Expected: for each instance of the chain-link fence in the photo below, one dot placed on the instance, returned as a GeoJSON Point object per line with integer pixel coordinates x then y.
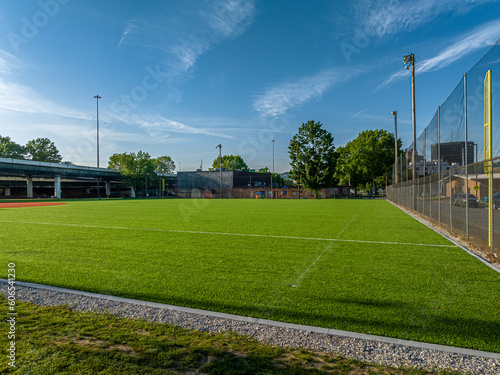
{"type": "Point", "coordinates": [458, 185]}
{"type": "Point", "coordinates": [458, 200]}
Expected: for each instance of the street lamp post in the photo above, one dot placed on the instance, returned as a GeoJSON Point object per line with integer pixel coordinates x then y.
{"type": "Point", "coordinates": [395, 114]}
{"type": "Point", "coordinates": [97, 97]}
{"type": "Point", "coordinates": [272, 191]}
{"type": "Point", "coordinates": [409, 61]}
{"type": "Point", "coordinates": [298, 171]}
{"type": "Point", "coordinates": [219, 146]}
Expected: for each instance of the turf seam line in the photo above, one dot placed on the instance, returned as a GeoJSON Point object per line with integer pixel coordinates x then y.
{"type": "Point", "coordinates": [227, 234]}
{"type": "Point", "coordinates": [267, 322]}
{"type": "Point", "coordinates": [320, 255]}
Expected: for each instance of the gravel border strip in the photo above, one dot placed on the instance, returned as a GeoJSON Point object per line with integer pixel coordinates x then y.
{"type": "Point", "coordinates": [367, 348]}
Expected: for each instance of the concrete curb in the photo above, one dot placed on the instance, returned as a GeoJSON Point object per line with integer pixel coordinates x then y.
{"type": "Point", "coordinates": [271, 323]}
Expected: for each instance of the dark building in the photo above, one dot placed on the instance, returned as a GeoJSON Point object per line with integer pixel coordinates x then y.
{"type": "Point", "coordinates": [230, 179]}
{"type": "Point", "coordinates": [454, 152]}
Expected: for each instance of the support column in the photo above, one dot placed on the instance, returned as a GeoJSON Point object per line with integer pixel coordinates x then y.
{"type": "Point", "coordinates": [29, 188]}
{"type": "Point", "coordinates": [132, 192]}
{"type": "Point", "coordinates": [108, 188]}
{"type": "Point", "coordinates": [7, 191]}
{"type": "Point", "coordinates": [57, 187]}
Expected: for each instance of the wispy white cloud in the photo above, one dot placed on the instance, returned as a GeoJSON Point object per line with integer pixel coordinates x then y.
{"type": "Point", "coordinates": [130, 28]}
{"type": "Point", "coordinates": [365, 114]}
{"type": "Point", "coordinates": [159, 127]}
{"type": "Point", "coordinates": [381, 18]}
{"type": "Point", "coordinates": [19, 98]}
{"type": "Point", "coordinates": [22, 99]}
{"type": "Point", "coordinates": [280, 98]}
{"type": "Point", "coordinates": [481, 37]}
{"type": "Point", "coordinates": [5, 62]}
{"type": "Point", "coordinates": [181, 34]}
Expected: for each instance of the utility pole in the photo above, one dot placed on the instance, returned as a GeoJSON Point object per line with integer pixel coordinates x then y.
{"type": "Point", "coordinates": [272, 175]}
{"type": "Point", "coordinates": [219, 146]}
{"type": "Point", "coordinates": [97, 97]}
{"type": "Point", "coordinates": [395, 114]}
{"type": "Point", "coordinates": [409, 61]}
{"type": "Point", "coordinates": [298, 171]}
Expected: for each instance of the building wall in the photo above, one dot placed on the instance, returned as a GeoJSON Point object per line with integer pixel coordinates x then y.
{"type": "Point", "coordinates": [211, 179]}
{"type": "Point", "coordinates": [204, 180]}
{"type": "Point", "coordinates": [453, 152]}
{"type": "Point", "coordinates": [253, 179]}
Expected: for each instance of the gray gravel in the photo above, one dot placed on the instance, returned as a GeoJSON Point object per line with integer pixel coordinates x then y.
{"type": "Point", "coordinates": [364, 350]}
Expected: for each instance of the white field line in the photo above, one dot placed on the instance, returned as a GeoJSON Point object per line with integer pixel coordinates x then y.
{"type": "Point", "coordinates": [226, 234]}
{"type": "Point", "coordinates": [320, 255]}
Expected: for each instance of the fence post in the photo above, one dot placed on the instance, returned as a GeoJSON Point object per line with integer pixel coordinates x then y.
{"type": "Point", "coordinates": [451, 198]}
{"type": "Point", "coordinates": [492, 235]}
{"type": "Point", "coordinates": [430, 198]}
{"type": "Point", "coordinates": [439, 165]}
{"type": "Point", "coordinates": [466, 162]}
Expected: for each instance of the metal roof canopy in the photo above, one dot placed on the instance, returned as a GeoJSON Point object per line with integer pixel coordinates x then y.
{"type": "Point", "coordinates": [29, 168]}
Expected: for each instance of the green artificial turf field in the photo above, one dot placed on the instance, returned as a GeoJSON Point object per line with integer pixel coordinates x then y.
{"type": "Point", "coordinates": [357, 265]}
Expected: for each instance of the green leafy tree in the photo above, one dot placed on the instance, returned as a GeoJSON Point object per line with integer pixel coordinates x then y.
{"type": "Point", "coordinates": [42, 149]}
{"type": "Point", "coordinates": [10, 149]}
{"type": "Point", "coordinates": [312, 156]}
{"type": "Point", "coordinates": [278, 180]}
{"type": "Point", "coordinates": [164, 164]}
{"type": "Point", "coordinates": [230, 163]}
{"type": "Point", "coordinates": [137, 169]}
{"type": "Point", "coordinates": [367, 159]}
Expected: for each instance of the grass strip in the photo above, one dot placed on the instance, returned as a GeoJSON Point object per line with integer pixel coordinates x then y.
{"type": "Point", "coordinates": [59, 340]}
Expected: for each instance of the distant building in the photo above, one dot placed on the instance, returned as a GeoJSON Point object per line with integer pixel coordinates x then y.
{"type": "Point", "coordinates": [204, 180]}
{"type": "Point", "coordinates": [431, 167]}
{"type": "Point", "coordinates": [418, 158]}
{"type": "Point", "coordinates": [453, 152]}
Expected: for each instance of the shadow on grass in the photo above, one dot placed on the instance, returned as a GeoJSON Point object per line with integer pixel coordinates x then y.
{"type": "Point", "coordinates": [395, 319]}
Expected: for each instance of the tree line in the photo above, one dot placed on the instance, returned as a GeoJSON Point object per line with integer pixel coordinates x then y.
{"type": "Point", "coordinates": [39, 149]}
{"type": "Point", "coordinates": [140, 170]}
{"type": "Point", "coordinates": [364, 163]}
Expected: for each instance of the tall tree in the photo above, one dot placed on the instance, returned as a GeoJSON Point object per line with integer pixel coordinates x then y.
{"type": "Point", "coordinates": [312, 156]}
{"type": "Point", "coordinates": [367, 159]}
{"type": "Point", "coordinates": [230, 163]}
{"type": "Point", "coordinates": [137, 169]}
{"type": "Point", "coordinates": [10, 149]}
{"type": "Point", "coordinates": [42, 149]}
{"type": "Point", "coordinates": [164, 164]}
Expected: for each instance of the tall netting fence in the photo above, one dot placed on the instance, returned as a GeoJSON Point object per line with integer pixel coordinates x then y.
{"type": "Point", "coordinates": [458, 183]}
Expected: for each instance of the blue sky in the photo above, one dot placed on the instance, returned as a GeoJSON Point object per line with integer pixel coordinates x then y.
{"type": "Point", "coordinates": [179, 77]}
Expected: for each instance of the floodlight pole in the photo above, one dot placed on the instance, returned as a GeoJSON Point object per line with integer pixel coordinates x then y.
{"type": "Point", "coordinates": [272, 175]}
{"type": "Point", "coordinates": [409, 61]}
{"type": "Point", "coordinates": [219, 146]}
{"type": "Point", "coordinates": [298, 171]}
{"type": "Point", "coordinates": [97, 97]}
{"type": "Point", "coordinates": [395, 114]}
